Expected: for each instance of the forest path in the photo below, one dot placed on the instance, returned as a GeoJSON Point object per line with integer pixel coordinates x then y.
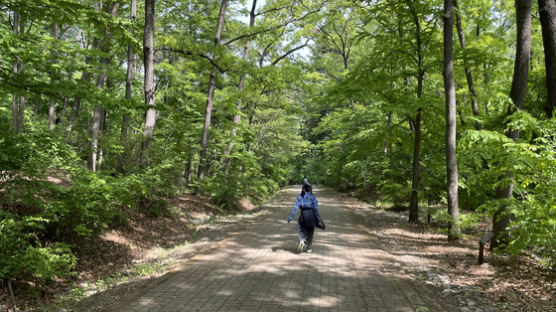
{"type": "Point", "coordinates": [258, 269]}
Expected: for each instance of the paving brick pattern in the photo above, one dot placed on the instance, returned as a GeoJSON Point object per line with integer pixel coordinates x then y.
{"type": "Point", "coordinates": [258, 269]}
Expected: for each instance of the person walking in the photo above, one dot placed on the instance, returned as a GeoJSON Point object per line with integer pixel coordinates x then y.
{"type": "Point", "coordinates": [308, 218]}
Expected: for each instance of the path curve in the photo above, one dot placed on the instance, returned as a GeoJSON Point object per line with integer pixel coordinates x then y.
{"type": "Point", "coordinates": [257, 269]}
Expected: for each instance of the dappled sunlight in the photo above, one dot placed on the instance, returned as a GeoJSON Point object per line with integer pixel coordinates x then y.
{"type": "Point", "coordinates": [258, 268]}
{"type": "Point", "coordinates": [402, 233]}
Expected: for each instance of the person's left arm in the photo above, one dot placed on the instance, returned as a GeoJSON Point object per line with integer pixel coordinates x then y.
{"type": "Point", "coordinates": [316, 208]}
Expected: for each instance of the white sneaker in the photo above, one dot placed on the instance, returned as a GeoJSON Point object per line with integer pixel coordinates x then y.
{"type": "Point", "coordinates": [309, 250]}
{"type": "Point", "coordinates": [301, 246]}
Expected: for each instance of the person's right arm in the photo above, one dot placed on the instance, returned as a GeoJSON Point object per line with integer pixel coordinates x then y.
{"type": "Point", "coordinates": [294, 210]}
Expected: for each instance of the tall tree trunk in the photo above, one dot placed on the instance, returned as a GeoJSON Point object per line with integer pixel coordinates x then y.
{"type": "Point", "coordinates": [15, 107]}
{"type": "Point", "coordinates": [189, 170]}
{"type": "Point", "coordinates": [210, 95]}
{"type": "Point", "coordinates": [486, 79]}
{"type": "Point", "coordinates": [414, 202]}
{"type": "Point", "coordinates": [416, 172]}
{"type": "Point", "coordinates": [237, 117]}
{"type": "Point", "coordinates": [52, 107]}
{"type": "Point", "coordinates": [74, 111]}
{"type": "Point", "coordinates": [85, 76]}
{"type": "Point", "coordinates": [94, 130]}
{"type": "Point", "coordinates": [468, 74]}
{"type": "Point", "coordinates": [547, 14]}
{"type": "Point", "coordinates": [451, 123]}
{"type": "Point", "coordinates": [501, 219]}
{"type": "Point", "coordinates": [148, 53]}
{"type": "Point", "coordinates": [36, 106]}
{"type": "Point", "coordinates": [21, 109]}
{"type": "Point", "coordinates": [18, 100]}
{"type": "Point", "coordinates": [485, 73]}
{"type": "Point", "coordinates": [63, 113]}
{"type": "Point", "coordinates": [64, 108]}
{"type": "Point", "coordinates": [128, 85]}
{"type": "Point", "coordinates": [98, 112]}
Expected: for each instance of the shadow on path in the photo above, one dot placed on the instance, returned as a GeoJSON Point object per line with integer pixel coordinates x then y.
{"type": "Point", "coordinates": [258, 269]}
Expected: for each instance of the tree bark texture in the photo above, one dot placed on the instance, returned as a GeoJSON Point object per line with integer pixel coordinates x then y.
{"type": "Point", "coordinates": [468, 73]}
{"type": "Point", "coordinates": [210, 95]}
{"type": "Point", "coordinates": [98, 113]}
{"type": "Point", "coordinates": [237, 117]}
{"type": "Point", "coordinates": [18, 99]}
{"type": "Point", "coordinates": [416, 172]}
{"type": "Point", "coordinates": [15, 96]}
{"type": "Point", "coordinates": [128, 85]}
{"type": "Point", "coordinates": [52, 107]}
{"type": "Point", "coordinates": [523, 53]}
{"type": "Point", "coordinates": [547, 14]}
{"type": "Point", "coordinates": [148, 53]}
{"type": "Point", "coordinates": [85, 76]}
{"type": "Point", "coordinates": [414, 202]}
{"type": "Point", "coordinates": [501, 219]}
{"type": "Point", "coordinates": [451, 121]}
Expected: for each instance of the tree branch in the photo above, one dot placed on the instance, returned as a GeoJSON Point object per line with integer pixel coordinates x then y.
{"type": "Point", "coordinates": [189, 53]}
{"type": "Point", "coordinates": [293, 20]}
{"type": "Point", "coordinates": [283, 56]}
{"type": "Point", "coordinates": [272, 10]}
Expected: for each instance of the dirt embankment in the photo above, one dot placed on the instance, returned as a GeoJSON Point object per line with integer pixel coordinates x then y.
{"type": "Point", "coordinates": [140, 246]}
{"type": "Point", "coordinates": [508, 283]}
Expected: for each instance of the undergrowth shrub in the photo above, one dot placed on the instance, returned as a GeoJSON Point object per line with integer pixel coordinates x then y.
{"type": "Point", "coordinates": [491, 161]}
{"type": "Point", "coordinates": [24, 256]}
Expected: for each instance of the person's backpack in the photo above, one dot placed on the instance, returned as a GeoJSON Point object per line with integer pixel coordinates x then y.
{"type": "Point", "coordinates": [307, 218]}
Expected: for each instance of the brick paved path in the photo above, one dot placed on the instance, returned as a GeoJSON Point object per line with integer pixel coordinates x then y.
{"type": "Point", "coordinates": [257, 269]}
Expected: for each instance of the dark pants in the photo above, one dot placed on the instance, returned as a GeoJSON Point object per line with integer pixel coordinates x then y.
{"type": "Point", "coordinates": [306, 235]}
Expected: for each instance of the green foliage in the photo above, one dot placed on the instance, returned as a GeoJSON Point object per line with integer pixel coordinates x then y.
{"type": "Point", "coordinates": [490, 155]}
{"type": "Point", "coordinates": [330, 92]}
{"type": "Point", "coordinates": [23, 255]}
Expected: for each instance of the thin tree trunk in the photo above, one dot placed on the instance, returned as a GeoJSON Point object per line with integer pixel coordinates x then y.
{"type": "Point", "coordinates": [98, 112]}
{"type": "Point", "coordinates": [77, 101]}
{"type": "Point", "coordinates": [51, 113]}
{"type": "Point", "coordinates": [52, 108]}
{"type": "Point", "coordinates": [416, 172]}
{"type": "Point", "coordinates": [63, 113]}
{"type": "Point", "coordinates": [21, 108]}
{"type": "Point", "coordinates": [468, 74]}
{"type": "Point", "coordinates": [390, 145]}
{"type": "Point", "coordinates": [501, 219]}
{"type": "Point", "coordinates": [64, 108]}
{"type": "Point", "coordinates": [14, 303]}
{"type": "Point", "coordinates": [148, 53]}
{"type": "Point", "coordinates": [189, 172]}
{"type": "Point", "coordinates": [210, 95]}
{"type": "Point", "coordinates": [451, 123]}
{"type": "Point", "coordinates": [73, 114]}
{"type": "Point", "coordinates": [17, 99]}
{"type": "Point", "coordinates": [128, 85]}
{"type": "Point", "coordinates": [414, 203]}
{"type": "Point", "coordinates": [36, 106]}
{"type": "Point", "coordinates": [547, 14]}
{"type": "Point", "coordinates": [95, 129]}
{"type": "Point", "coordinates": [237, 117]}
{"type": "Point", "coordinates": [85, 76]}
{"type": "Point", "coordinates": [486, 79]}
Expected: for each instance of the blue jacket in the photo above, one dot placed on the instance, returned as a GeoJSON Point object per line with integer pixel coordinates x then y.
{"type": "Point", "coordinates": [307, 201]}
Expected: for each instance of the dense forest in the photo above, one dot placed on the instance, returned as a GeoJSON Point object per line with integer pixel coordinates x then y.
{"type": "Point", "coordinates": [112, 104]}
